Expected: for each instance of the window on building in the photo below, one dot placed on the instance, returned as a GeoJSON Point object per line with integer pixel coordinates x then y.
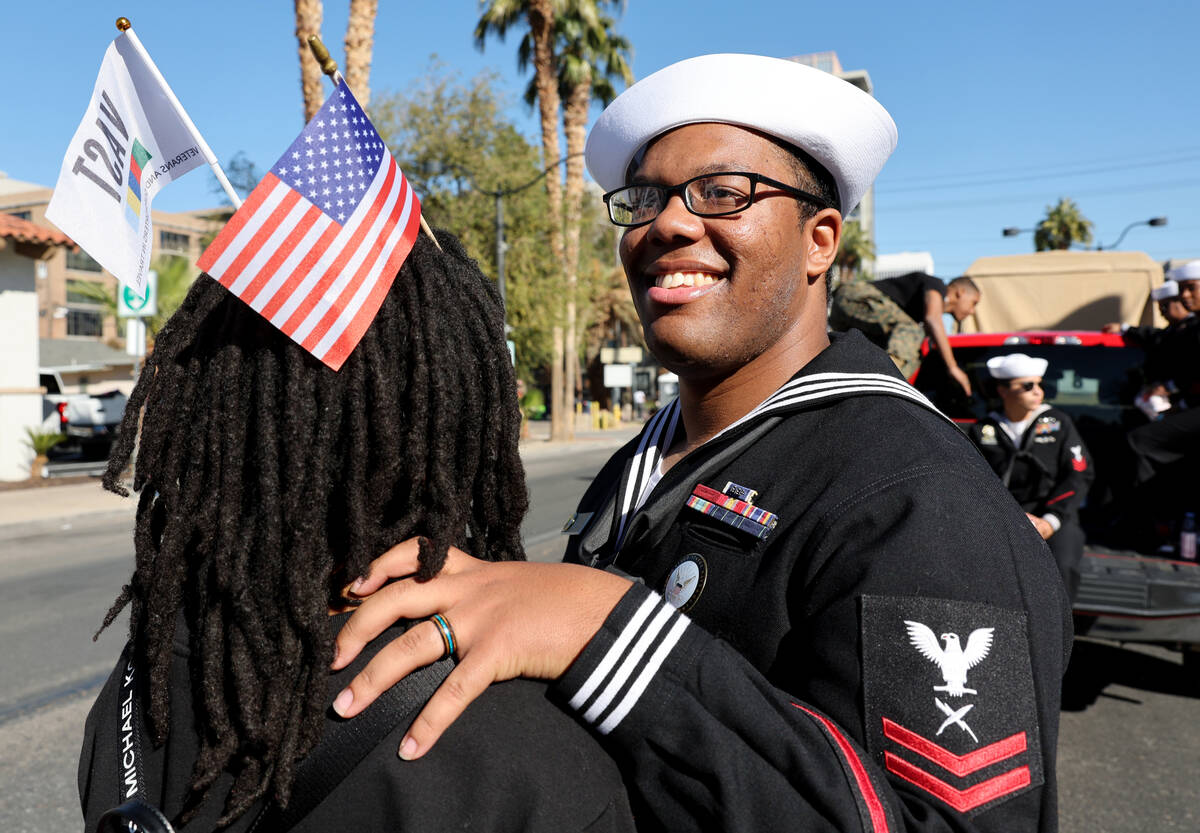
{"type": "Point", "coordinates": [174, 241]}
{"type": "Point", "coordinates": [22, 215]}
{"type": "Point", "coordinates": [81, 261]}
{"type": "Point", "coordinates": [83, 292]}
{"type": "Point", "coordinates": [84, 322]}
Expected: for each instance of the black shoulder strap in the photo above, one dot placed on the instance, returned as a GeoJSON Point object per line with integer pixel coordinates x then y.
{"type": "Point", "coordinates": [341, 749]}
{"type": "Point", "coordinates": [344, 746]}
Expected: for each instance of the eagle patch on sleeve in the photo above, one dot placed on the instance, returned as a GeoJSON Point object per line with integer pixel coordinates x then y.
{"type": "Point", "coordinates": [949, 699]}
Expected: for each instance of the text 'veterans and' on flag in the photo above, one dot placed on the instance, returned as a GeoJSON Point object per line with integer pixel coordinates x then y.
{"type": "Point", "coordinates": [316, 245]}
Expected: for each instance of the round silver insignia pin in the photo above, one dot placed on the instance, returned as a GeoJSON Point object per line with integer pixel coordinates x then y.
{"type": "Point", "coordinates": [686, 582]}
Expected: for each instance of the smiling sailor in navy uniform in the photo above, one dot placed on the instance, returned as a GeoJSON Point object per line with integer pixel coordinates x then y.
{"type": "Point", "coordinates": [1038, 454]}
{"type": "Point", "coordinates": [799, 600]}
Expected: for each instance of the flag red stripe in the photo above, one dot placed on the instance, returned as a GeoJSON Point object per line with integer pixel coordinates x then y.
{"type": "Point", "coordinates": [306, 264]}
{"type": "Point", "coordinates": [258, 241]}
{"type": "Point", "coordinates": [231, 230]}
{"type": "Point", "coordinates": [961, 800]}
{"type": "Point", "coordinates": [354, 331]}
{"type": "Point", "coordinates": [351, 286]}
{"type": "Point", "coordinates": [282, 251]}
{"type": "Point", "coordinates": [349, 247]}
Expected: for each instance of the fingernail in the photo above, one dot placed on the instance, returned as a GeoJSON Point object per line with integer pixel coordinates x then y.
{"type": "Point", "coordinates": [343, 701]}
{"type": "Point", "coordinates": [408, 749]}
{"type": "Point", "coordinates": [358, 583]}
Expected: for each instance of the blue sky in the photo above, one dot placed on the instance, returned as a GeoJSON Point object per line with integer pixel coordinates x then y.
{"type": "Point", "coordinates": [1002, 108]}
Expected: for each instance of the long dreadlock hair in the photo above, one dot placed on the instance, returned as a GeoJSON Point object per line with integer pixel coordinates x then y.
{"type": "Point", "coordinates": [268, 479]}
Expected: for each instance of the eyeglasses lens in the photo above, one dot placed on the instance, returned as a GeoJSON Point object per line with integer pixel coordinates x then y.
{"type": "Point", "coordinates": [708, 196]}
{"type": "Point", "coordinates": [723, 194]}
{"type": "Point", "coordinates": [635, 204]}
{"type": "Point", "coordinates": [1028, 386]}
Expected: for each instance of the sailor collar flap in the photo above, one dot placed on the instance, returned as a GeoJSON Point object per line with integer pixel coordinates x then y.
{"type": "Point", "coordinates": [817, 384]}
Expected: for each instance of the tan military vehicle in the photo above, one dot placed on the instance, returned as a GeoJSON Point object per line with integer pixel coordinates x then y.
{"type": "Point", "coordinates": [1057, 291]}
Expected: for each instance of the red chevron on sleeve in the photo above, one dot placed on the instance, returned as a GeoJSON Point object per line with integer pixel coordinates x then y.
{"type": "Point", "coordinates": [960, 765]}
{"type": "Point", "coordinates": [965, 799]}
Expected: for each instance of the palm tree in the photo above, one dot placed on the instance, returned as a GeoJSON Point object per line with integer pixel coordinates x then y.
{"type": "Point", "coordinates": [360, 39]}
{"type": "Point", "coordinates": [854, 248]}
{"type": "Point", "coordinates": [538, 46]}
{"type": "Point", "coordinates": [1063, 225]}
{"type": "Point", "coordinates": [175, 277]}
{"type": "Point", "coordinates": [591, 57]}
{"type": "Point", "coordinates": [308, 22]}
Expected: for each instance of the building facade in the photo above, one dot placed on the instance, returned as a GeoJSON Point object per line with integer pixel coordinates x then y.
{"type": "Point", "coordinates": [67, 281]}
{"type": "Point", "coordinates": [24, 251]}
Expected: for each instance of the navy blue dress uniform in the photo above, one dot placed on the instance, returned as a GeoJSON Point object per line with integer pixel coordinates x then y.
{"type": "Point", "coordinates": [1171, 443]}
{"type": "Point", "coordinates": [1047, 468]}
{"type": "Point", "coordinates": [840, 620]}
{"type": "Point", "coordinates": [843, 622]}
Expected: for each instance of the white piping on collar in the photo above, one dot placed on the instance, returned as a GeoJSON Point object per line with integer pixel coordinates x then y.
{"type": "Point", "coordinates": [660, 431]}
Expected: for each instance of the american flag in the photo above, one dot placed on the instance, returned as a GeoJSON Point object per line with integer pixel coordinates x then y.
{"type": "Point", "coordinates": [316, 245]}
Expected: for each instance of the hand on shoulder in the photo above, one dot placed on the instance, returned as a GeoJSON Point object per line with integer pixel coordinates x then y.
{"type": "Point", "coordinates": [509, 619]}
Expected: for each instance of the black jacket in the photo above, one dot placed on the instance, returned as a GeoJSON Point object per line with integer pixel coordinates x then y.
{"type": "Point", "coordinates": [513, 761]}
{"type": "Point", "coordinates": [1173, 355]}
{"type": "Point", "coordinates": [798, 687]}
{"type": "Point", "coordinates": [1048, 471]}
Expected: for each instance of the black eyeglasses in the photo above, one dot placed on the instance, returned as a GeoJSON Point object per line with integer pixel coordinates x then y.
{"type": "Point", "coordinates": [1025, 386]}
{"type": "Point", "coordinates": [708, 195]}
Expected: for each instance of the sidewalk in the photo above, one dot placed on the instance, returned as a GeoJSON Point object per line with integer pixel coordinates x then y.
{"type": "Point", "coordinates": [538, 446]}
{"type": "Point", "coordinates": [48, 504]}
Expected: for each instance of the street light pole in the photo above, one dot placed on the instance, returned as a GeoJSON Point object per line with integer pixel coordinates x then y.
{"type": "Point", "coordinates": [1153, 221]}
{"type": "Point", "coordinates": [498, 195]}
{"type": "Point", "coordinates": [1013, 231]}
{"type": "Point", "coordinates": [500, 247]}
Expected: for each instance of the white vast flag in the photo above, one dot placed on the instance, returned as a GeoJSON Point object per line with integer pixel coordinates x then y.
{"type": "Point", "coordinates": [133, 140]}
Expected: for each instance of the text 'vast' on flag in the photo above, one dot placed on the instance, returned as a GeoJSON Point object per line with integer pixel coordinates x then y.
{"type": "Point", "coordinates": [316, 245]}
{"type": "Point", "coordinates": [132, 141]}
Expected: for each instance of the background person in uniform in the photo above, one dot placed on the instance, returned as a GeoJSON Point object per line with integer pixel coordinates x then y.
{"type": "Point", "coordinates": [1170, 304]}
{"type": "Point", "coordinates": [1166, 450]}
{"type": "Point", "coordinates": [811, 582]}
{"type": "Point", "coordinates": [267, 482]}
{"type": "Point", "coordinates": [1040, 457]}
{"type": "Point", "coordinates": [1155, 397]}
{"type": "Point", "coordinates": [897, 314]}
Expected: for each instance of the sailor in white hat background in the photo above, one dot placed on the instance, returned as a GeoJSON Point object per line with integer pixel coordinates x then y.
{"type": "Point", "coordinates": [1187, 277]}
{"type": "Point", "coordinates": [1166, 451]}
{"type": "Point", "coordinates": [1170, 305]}
{"type": "Point", "coordinates": [757, 578]}
{"type": "Point", "coordinates": [1038, 454]}
{"type": "Point", "coordinates": [1170, 302]}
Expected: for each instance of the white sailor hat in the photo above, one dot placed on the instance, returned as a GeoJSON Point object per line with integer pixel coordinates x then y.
{"type": "Point", "coordinates": [843, 128]}
{"type": "Point", "coordinates": [1016, 366]}
{"type": "Point", "coordinates": [1169, 289]}
{"type": "Point", "coordinates": [1189, 271]}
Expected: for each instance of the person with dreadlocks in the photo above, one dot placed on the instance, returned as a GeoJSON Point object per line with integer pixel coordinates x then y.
{"type": "Point", "coordinates": [269, 481]}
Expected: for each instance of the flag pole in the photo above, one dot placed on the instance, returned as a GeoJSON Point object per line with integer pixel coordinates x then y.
{"type": "Point", "coordinates": [330, 68]}
{"type": "Point", "coordinates": [126, 28]}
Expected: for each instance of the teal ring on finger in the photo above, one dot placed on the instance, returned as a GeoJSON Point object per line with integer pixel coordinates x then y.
{"type": "Point", "coordinates": [448, 641]}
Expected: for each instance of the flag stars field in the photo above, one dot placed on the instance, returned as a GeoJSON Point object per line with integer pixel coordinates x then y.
{"type": "Point", "coordinates": [318, 265]}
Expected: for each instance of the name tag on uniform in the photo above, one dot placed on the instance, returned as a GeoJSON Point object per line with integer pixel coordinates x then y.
{"type": "Point", "coordinates": [731, 510]}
